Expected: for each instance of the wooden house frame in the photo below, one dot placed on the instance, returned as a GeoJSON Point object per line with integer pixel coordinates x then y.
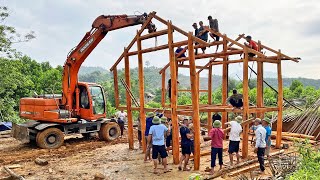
{"type": "Point", "coordinates": [229, 47]}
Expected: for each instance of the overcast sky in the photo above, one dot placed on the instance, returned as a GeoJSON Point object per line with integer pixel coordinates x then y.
{"type": "Point", "coordinates": [290, 25]}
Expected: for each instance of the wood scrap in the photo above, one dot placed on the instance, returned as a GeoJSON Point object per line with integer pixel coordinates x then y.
{"type": "Point", "coordinates": [12, 174]}
{"type": "Point", "coordinates": [5, 132]}
{"type": "Point", "coordinates": [297, 135]}
{"type": "Point", "coordinates": [288, 138]}
{"type": "Point", "coordinates": [5, 136]}
{"type": "Point", "coordinates": [246, 169]}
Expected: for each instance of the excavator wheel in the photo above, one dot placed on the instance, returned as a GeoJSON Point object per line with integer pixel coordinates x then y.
{"type": "Point", "coordinates": [109, 131]}
{"type": "Point", "coordinates": [50, 138]}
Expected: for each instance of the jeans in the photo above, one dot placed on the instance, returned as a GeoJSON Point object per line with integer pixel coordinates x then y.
{"type": "Point", "coordinates": [260, 154]}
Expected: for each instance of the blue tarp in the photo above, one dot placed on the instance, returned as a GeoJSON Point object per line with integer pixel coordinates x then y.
{"type": "Point", "coordinates": [5, 126]}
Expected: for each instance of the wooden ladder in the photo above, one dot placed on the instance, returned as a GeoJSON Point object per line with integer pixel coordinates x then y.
{"type": "Point", "coordinates": [134, 100]}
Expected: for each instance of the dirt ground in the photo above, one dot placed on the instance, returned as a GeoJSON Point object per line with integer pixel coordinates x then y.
{"type": "Point", "coordinates": [80, 158]}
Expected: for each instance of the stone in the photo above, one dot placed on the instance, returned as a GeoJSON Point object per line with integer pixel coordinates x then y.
{"type": "Point", "coordinates": [41, 162]}
{"type": "Point", "coordinates": [99, 176]}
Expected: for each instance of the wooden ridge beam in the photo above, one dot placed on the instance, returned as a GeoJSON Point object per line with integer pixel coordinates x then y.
{"type": "Point", "coordinates": [154, 34]}
{"type": "Point", "coordinates": [150, 16]}
{"type": "Point", "coordinates": [219, 54]}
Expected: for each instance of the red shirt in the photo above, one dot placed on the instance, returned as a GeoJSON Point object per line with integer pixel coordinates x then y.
{"type": "Point", "coordinates": [253, 45]}
{"type": "Point", "coordinates": [217, 136]}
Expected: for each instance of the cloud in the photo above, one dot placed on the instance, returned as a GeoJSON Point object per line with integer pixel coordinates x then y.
{"type": "Point", "coordinates": [291, 25]}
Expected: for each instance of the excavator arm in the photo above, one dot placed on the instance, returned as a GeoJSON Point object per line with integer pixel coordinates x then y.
{"type": "Point", "coordinates": [100, 27]}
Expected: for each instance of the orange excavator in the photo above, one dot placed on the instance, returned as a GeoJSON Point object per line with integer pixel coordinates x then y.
{"type": "Point", "coordinates": [80, 109]}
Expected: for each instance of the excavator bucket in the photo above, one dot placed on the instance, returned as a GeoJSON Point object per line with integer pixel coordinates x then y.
{"type": "Point", "coordinates": [20, 132]}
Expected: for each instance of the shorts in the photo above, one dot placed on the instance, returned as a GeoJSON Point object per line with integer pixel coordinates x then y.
{"type": "Point", "coordinates": [168, 140]}
{"type": "Point", "coordinates": [233, 147]}
{"type": "Point", "coordinates": [186, 149]}
{"type": "Point", "coordinates": [139, 135]}
{"type": "Point", "coordinates": [251, 54]}
{"type": "Point", "coordinates": [217, 38]}
{"type": "Point", "coordinates": [159, 150]}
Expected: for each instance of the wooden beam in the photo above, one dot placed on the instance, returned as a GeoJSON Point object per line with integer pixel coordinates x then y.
{"type": "Point", "coordinates": [154, 34]}
{"type": "Point", "coordinates": [150, 16]}
{"type": "Point", "coordinates": [163, 89]}
{"type": "Point", "coordinates": [197, 67]}
{"type": "Point", "coordinates": [225, 73]}
{"type": "Point", "coordinates": [174, 117]}
{"type": "Point", "coordinates": [209, 126]}
{"type": "Point", "coordinates": [260, 85]}
{"type": "Point", "coordinates": [128, 98]}
{"type": "Point", "coordinates": [215, 55]}
{"type": "Point", "coordinates": [195, 104]}
{"type": "Point", "coordinates": [116, 87]}
{"type": "Point", "coordinates": [189, 90]}
{"type": "Point", "coordinates": [280, 104]}
{"type": "Point", "coordinates": [181, 31]}
{"type": "Point", "coordinates": [141, 93]}
{"type": "Point", "coordinates": [245, 104]}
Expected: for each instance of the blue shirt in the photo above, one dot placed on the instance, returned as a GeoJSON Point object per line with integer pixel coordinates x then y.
{"type": "Point", "coordinates": [183, 133]}
{"type": "Point", "coordinates": [268, 134]}
{"type": "Point", "coordinates": [204, 35]}
{"type": "Point", "coordinates": [148, 125]}
{"type": "Point", "coordinates": [157, 131]}
{"type": "Point", "coordinates": [178, 51]}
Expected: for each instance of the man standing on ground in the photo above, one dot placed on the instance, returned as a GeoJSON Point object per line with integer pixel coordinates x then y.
{"type": "Point", "coordinates": [234, 138]}
{"type": "Point", "coordinates": [149, 119]}
{"type": "Point", "coordinates": [186, 142]}
{"type": "Point", "coordinates": [156, 134]}
{"type": "Point", "coordinates": [266, 124]}
{"type": "Point", "coordinates": [121, 117]}
{"type": "Point", "coordinates": [235, 99]}
{"type": "Point", "coordinates": [251, 44]}
{"type": "Point", "coordinates": [217, 135]}
{"type": "Point", "coordinates": [196, 33]}
{"type": "Point", "coordinates": [203, 35]}
{"type": "Point", "coordinates": [260, 134]}
{"type": "Point", "coordinates": [139, 133]}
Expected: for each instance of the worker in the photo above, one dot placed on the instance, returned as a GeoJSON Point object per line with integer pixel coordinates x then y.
{"type": "Point", "coordinates": [169, 88]}
{"type": "Point", "coordinates": [216, 134]}
{"type": "Point", "coordinates": [169, 136]}
{"type": "Point", "coordinates": [213, 24]}
{"type": "Point", "coordinates": [191, 128]}
{"type": "Point", "coordinates": [235, 99]}
{"type": "Point", "coordinates": [149, 118]}
{"type": "Point", "coordinates": [216, 116]}
{"type": "Point", "coordinates": [177, 52]}
{"type": "Point", "coordinates": [234, 138]}
{"type": "Point", "coordinates": [260, 146]}
{"type": "Point", "coordinates": [266, 124]}
{"type": "Point", "coordinates": [139, 133]}
{"type": "Point", "coordinates": [156, 138]}
{"type": "Point", "coordinates": [196, 32]}
{"type": "Point", "coordinates": [203, 35]}
{"type": "Point", "coordinates": [186, 143]}
{"type": "Point", "coordinates": [251, 44]}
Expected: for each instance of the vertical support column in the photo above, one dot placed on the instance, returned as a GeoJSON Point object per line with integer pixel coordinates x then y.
{"type": "Point", "coordinates": [141, 93]}
{"type": "Point", "coordinates": [116, 87]}
{"type": "Point", "coordinates": [174, 117]}
{"type": "Point", "coordinates": [260, 84]}
{"type": "Point", "coordinates": [280, 103]}
{"type": "Point", "coordinates": [210, 97]}
{"type": "Point", "coordinates": [128, 98]}
{"type": "Point", "coordinates": [245, 104]}
{"type": "Point", "coordinates": [163, 88]}
{"type": "Point", "coordinates": [225, 66]}
{"type": "Point", "coordinates": [195, 103]}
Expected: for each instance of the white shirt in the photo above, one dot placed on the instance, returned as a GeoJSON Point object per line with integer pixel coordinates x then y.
{"type": "Point", "coordinates": [260, 137]}
{"type": "Point", "coordinates": [121, 115]}
{"type": "Point", "coordinates": [235, 131]}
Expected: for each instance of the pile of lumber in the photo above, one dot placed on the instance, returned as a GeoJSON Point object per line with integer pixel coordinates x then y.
{"type": "Point", "coordinates": [294, 137]}
{"type": "Point", "coordinates": [5, 134]}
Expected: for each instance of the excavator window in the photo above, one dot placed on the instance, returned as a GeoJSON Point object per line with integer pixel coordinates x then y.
{"type": "Point", "coordinates": [98, 103]}
{"type": "Point", "coordinates": [84, 99]}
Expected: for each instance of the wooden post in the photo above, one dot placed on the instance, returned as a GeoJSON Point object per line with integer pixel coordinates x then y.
{"type": "Point", "coordinates": [280, 103]}
{"type": "Point", "coordinates": [209, 96]}
{"type": "Point", "coordinates": [116, 87]}
{"type": "Point", "coordinates": [163, 89]}
{"type": "Point", "coordinates": [260, 84]}
{"type": "Point", "coordinates": [195, 103]}
{"type": "Point", "coordinates": [128, 98]}
{"type": "Point", "coordinates": [225, 66]}
{"type": "Point", "coordinates": [141, 93]}
{"type": "Point", "coordinates": [245, 103]}
{"type": "Point", "coordinates": [174, 117]}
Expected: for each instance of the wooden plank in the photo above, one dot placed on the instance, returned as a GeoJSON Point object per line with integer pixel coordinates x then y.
{"type": "Point", "coordinates": [116, 87]}
{"type": "Point", "coordinates": [163, 89]}
{"type": "Point", "coordinates": [128, 99]}
{"type": "Point", "coordinates": [216, 55]}
{"type": "Point", "coordinates": [154, 34]}
{"type": "Point", "coordinates": [150, 16]}
{"type": "Point", "coordinates": [189, 90]}
{"type": "Point", "coordinates": [245, 104]}
{"type": "Point", "coordinates": [197, 67]}
{"type": "Point", "coordinates": [209, 126]}
{"type": "Point", "coordinates": [280, 104]}
{"type": "Point", "coordinates": [174, 117]}
{"type": "Point", "coordinates": [195, 103]}
{"type": "Point", "coordinates": [141, 92]}
{"type": "Point", "coordinates": [260, 85]}
{"type": "Point", "coordinates": [225, 68]}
